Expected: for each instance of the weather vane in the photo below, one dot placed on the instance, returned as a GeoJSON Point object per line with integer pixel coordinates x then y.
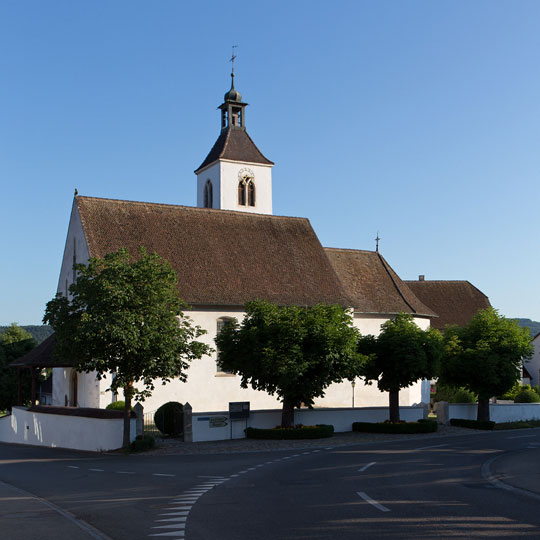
{"type": "Point", "coordinates": [377, 242]}
{"type": "Point", "coordinates": [233, 57]}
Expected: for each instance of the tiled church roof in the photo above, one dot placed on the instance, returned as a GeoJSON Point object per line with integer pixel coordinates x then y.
{"type": "Point", "coordinates": [235, 144]}
{"type": "Point", "coordinates": [372, 284]}
{"type": "Point", "coordinates": [456, 302]}
{"type": "Point", "coordinates": [221, 257]}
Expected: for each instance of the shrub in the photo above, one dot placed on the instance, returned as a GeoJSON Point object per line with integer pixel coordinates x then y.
{"type": "Point", "coordinates": [454, 394]}
{"type": "Point", "coordinates": [473, 424]}
{"type": "Point", "coordinates": [142, 443]}
{"type": "Point", "coordinates": [116, 406]}
{"type": "Point", "coordinates": [521, 424]}
{"type": "Point", "coordinates": [319, 431]}
{"type": "Point", "coordinates": [422, 426]}
{"type": "Point", "coordinates": [463, 396]}
{"type": "Point", "coordinates": [169, 418]}
{"type": "Point", "coordinates": [526, 395]}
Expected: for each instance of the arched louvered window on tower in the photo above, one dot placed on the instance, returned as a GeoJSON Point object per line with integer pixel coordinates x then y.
{"type": "Point", "coordinates": [242, 192]}
{"type": "Point", "coordinates": [251, 192]}
{"type": "Point", "coordinates": [208, 195]}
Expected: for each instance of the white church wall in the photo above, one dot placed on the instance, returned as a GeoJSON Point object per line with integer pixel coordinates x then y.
{"type": "Point", "coordinates": [533, 365]}
{"type": "Point", "coordinates": [87, 388]}
{"type": "Point", "coordinates": [75, 249]}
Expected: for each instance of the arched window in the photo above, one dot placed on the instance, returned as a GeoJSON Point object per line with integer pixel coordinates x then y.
{"type": "Point", "coordinates": [221, 323]}
{"type": "Point", "coordinates": [208, 195]}
{"type": "Point", "coordinates": [242, 193]}
{"type": "Point", "coordinates": [251, 192]}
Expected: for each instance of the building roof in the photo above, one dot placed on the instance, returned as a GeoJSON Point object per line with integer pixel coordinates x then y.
{"type": "Point", "coordinates": [221, 257]}
{"type": "Point", "coordinates": [372, 284]}
{"type": "Point", "coordinates": [41, 356]}
{"type": "Point", "coordinates": [456, 302]}
{"type": "Point", "coordinates": [234, 144]}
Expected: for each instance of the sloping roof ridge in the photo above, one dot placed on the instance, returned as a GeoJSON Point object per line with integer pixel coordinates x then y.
{"type": "Point", "coordinates": [386, 267]}
{"type": "Point", "coordinates": [270, 162]}
{"type": "Point", "coordinates": [446, 281]}
{"type": "Point", "coordinates": [191, 208]}
{"type": "Point", "coordinates": [350, 250]}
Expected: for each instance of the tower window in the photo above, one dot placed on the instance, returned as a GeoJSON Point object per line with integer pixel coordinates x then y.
{"type": "Point", "coordinates": [251, 192]}
{"type": "Point", "coordinates": [208, 195]}
{"type": "Point", "coordinates": [242, 193]}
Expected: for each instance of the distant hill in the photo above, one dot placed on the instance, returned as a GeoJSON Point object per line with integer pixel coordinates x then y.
{"type": "Point", "coordinates": [533, 326]}
{"type": "Point", "coordinates": [39, 332]}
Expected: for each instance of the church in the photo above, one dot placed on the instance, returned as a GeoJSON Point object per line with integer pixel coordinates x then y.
{"type": "Point", "coordinates": [231, 249]}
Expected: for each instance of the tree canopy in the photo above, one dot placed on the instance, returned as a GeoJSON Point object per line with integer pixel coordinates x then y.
{"type": "Point", "coordinates": [485, 356]}
{"type": "Point", "coordinates": [292, 352]}
{"type": "Point", "coordinates": [14, 343]}
{"type": "Point", "coordinates": [402, 354]}
{"type": "Point", "coordinates": [124, 317]}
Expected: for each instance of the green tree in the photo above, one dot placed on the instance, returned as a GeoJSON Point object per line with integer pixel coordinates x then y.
{"type": "Point", "coordinates": [14, 343]}
{"type": "Point", "coordinates": [485, 356]}
{"type": "Point", "coordinates": [402, 354]}
{"type": "Point", "coordinates": [124, 317]}
{"type": "Point", "coordinates": [292, 352]}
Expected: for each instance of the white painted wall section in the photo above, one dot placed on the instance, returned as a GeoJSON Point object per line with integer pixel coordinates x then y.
{"type": "Point", "coordinates": [60, 431]}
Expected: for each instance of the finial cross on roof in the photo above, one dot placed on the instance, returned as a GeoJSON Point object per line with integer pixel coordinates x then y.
{"type": "Point", "coordinates": [377, 242]}
{"type": "Point", "coordinates": [233, 57]}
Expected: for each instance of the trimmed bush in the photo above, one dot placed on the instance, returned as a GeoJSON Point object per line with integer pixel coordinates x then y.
{"type": "Point", "coordinates": [527, 395]}
{"type": "Point", "coordinates": [463, 396]}
{"type": "Point", "coordinates": [116, 406]}
{"type": "Point", "coordinates": [319, 431]}
{"type": "Point", "coordinates": [472, 424]}
{"type": "Point", "coordinates": [169, 418]}
{"type": "Point", "coordinates": [142, 443]}
{"type": "Point", "coordinates": [422, 426]}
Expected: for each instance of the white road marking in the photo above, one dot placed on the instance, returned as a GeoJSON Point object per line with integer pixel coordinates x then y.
{"type": "Point", "coordinates": [162, 474]}
{"type": "Point", "coordinates": [175, 514]}
{"type": "Point", "coordinates": [233, 476]}
{"type": "Point", "coordinates": [268, 462]}
{"type": "Point", "coordinates": [173, 526]}
{"type": "Point", "coordinates": [175, 533]}
{"type": "Point", "coordinates": [125, 472]}
{"type": "Point", "coordinates": [329, 448]}
{"type": "Point", "coordinates": [305, 453]}
{"type": "Point", "coordinates": [201, 476]}
{"type": "Point", "coordinates": [295, 455]}
{"type": "Point", "coordinates": [183, 507]}
{"type": "Point", "coordinates": [366, 467]}
{"type": "Point", "coordinates": [173, 519]}
{"type": "Point", "coordinates": [316, 451]}
{"type": "Point", "coordinates": [251, 468]}
{"type": "Point", "coordinates": [96, 470]}
{"type": "Point", "coordinates": [73, 467]}
{"type": "Point", "coordinates": [520, 437]}
{"type": "Point", "coordinates": [369, 500]}
{"type": "Point", "coordinates": [428, 447]}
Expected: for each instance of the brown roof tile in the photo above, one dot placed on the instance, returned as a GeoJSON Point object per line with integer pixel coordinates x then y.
{"type": "Point", "coordinates": [372, 284]}
{"type": "Point", "coordinates": [235, 144]}
{"type": "Point", "coordinates": [221, 257]}
{"type": "Point", "coordinates": [456, 302]}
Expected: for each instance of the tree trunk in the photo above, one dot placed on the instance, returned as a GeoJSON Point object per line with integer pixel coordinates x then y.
{"type": "Point", "coordinates": [128, 393]}
{"type": "Point", "coordinates": [393, 398]}
{"type": "Point", "coordinates": [483, 410]}
{"type": "Point", "coordinates": [287, 413]}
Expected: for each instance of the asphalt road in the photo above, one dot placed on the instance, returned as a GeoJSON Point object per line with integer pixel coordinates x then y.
{"type": "Point", "coordinates": [481, 486]}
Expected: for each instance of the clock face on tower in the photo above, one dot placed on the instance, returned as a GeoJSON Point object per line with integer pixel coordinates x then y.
{"type": "Point", "coordinates": [244, 174]}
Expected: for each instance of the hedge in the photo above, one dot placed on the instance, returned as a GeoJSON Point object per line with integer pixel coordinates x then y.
{"type": "Point", "coordinates": [422, 426]}
{"type": "Point", "coordinates": [142, 443]}
{"type": "Point", "coordinates": [319, 431]}
{"type": "Point", "coordinates": [473, 424]}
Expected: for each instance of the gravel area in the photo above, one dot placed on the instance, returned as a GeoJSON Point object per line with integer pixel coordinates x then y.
{"type": "Point", "coordinates": [176, 447]}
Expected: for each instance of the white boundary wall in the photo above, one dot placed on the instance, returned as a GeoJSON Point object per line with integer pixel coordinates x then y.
{"type": "Point", "coordinates": [55, 430]}
{"type": "Point", "coordinates": [216, 426]}
{"type": "Point", "coordinates": [498, 412]}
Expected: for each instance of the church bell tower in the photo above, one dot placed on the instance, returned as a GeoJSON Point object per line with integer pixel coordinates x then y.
{"type": "Point", "coordinates": [235, 174]}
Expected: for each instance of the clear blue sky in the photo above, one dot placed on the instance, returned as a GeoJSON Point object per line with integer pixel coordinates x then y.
{"type": "Point", "coordinates": [418, 119]}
